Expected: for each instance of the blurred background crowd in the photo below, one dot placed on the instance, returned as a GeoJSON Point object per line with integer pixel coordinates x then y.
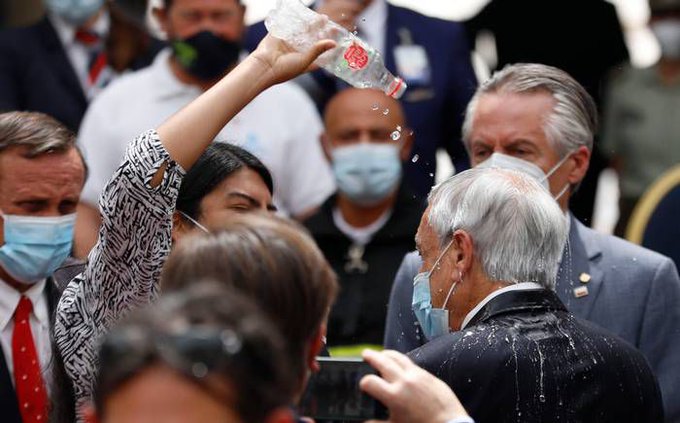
{"type": "Point", "coordinates": [582, 95]}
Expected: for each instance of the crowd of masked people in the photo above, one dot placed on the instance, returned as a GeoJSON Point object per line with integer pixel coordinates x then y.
{"type": "Point", "coordinates": [188, 224]}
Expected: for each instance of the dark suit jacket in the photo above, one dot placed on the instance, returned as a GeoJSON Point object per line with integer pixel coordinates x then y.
{"type": "Point", "coordinates": [61, 393]}
{"type": "Point", "coordinates": [37, 75]}
{"type": "Point", "coordinates": [434, 111]}
{"type": "Point", "coordinates": [524, 358]}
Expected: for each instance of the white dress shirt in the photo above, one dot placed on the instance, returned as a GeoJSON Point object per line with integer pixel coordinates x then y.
{"type": "Point", "coordinates": [78, 54]}
{"type": "Point", "coordinates": [40, 324]}
{"type": "Point", "coordinates": [372, 23]}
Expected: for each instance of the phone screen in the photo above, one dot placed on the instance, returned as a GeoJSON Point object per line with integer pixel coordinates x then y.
{"type": "Point", "coordinates": [333, 393]}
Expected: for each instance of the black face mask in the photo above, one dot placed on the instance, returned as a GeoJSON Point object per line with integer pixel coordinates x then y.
{"type": "Point", "coordinates": [205, 55]}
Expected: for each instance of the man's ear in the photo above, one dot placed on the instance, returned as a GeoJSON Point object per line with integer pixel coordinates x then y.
{"type": "Point", "coordinates": [326, 145]}
{"type": "Point", "coordinates": [408, 138]}
{"type": "Point", "coordinates": [463, 254]}
{"type": "Point", "coordinates": [581, 160]}
{"type": "Point", "coordinates": [315, 346]}
{"type": "Point", "coordinates": [280, 415]}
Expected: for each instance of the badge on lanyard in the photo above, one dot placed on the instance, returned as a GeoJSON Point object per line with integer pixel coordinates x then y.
{"type": "Point", "coordinates": [411, 59]}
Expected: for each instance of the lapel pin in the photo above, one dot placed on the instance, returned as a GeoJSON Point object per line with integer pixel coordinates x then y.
{"type": "Point", "coordinates": [584, 277]}
{"type": "Point", "coordinates": [580, 291]}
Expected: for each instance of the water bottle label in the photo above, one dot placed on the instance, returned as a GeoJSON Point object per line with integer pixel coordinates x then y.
{"type": "Point", "coordinates": [356, 57]}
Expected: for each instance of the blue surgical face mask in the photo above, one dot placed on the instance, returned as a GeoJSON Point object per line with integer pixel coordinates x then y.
{"type": "Point", "coordinates": [367, 172]}
{"type": "Point", "coordinates": [35, 246]}
{"type": "Point", "coordinates": [503, 161]}
{"type": "Point", "coordinates": [433, 321]}
{"type": "Point", "coordinates": [75, 12]}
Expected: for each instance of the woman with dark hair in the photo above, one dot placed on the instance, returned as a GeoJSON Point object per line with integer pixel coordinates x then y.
{"type": "Point", "coordinates": [205, 355]}
{"type": "Point", "coordinates": [225, 179]}
{"type": "Point", "coordinates": [138, 205]}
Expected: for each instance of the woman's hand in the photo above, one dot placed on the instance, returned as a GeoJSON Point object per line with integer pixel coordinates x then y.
{"type": "Point", "coordinates": [282, 62]}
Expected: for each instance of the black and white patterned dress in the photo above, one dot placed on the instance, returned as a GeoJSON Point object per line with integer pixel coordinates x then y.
{"type": "Point", "coordinates": [124, 267]}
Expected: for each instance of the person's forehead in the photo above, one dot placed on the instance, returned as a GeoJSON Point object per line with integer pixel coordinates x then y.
{"type": "Point", "coordinates": [363, 109]}
{"type": "Point", "coordinates": [61, 167]}
{"type": "Point", "coordinates": [504, 117]}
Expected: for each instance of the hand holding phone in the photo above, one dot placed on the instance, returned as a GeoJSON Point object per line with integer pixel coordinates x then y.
{"type": "Point", "coordinates": [333, 393]}
{"type": "Point", "coordinates": [410, 393]}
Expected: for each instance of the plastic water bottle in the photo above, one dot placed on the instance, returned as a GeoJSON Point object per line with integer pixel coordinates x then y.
{"type": "Point", "coordinates": [352, 60]}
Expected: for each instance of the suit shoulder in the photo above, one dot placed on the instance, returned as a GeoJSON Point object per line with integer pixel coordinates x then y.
{"type": "Point", "coordinates": [19, 39]}
{"type": "Point", "coordinates": [617, 249]}
{"type": "Point", "coordinates": [435, 26]}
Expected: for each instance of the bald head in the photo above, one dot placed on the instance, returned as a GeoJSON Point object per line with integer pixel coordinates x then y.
{"type": "Point", "coordinates": [355, 115]}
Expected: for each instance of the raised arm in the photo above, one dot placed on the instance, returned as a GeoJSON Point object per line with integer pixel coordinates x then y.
{"type": "Point", "coordinates": [271, 63]}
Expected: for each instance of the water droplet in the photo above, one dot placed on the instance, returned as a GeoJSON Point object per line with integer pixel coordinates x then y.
{"type": "Point", "coordinates": [541, 398]}
{"type": "Point", "coordinates": [431, 175]}
{"type": "Point", "coordinates": [398, 128]}
{"type": "Point", "coordinates": [415, 158]}
{"type": "Point", "coordinates": [375, 107]}
{"type": "Point", "coordinates": [395, 135]}
{"type": "Point", "coordinates": [386, 112]}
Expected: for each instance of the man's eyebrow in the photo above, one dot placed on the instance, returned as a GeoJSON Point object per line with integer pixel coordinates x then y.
{"type": "Point", "coordinates": [253, 202]}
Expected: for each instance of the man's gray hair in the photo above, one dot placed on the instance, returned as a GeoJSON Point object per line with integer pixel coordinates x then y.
{"type": "Point", "coordinates": [573, 120]}
{"type": "Point", "coordinates": [518, 230]}
{"type": "Point", "coordinates": [37, 132]}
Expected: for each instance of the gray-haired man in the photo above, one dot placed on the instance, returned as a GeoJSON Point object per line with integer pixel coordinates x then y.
{"type": "Point", "coordinates": [542, 116]}
{"type": "Point", "coordinates": [490, 242]}
{"type": "Point", "coordinates": [41, 176]}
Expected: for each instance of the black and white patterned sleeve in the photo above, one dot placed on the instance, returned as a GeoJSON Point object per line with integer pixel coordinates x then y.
{"type": "Point", "coordinates": [124, 267]}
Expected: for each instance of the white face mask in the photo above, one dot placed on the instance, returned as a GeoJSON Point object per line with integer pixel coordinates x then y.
{"type": "Point", "coordinates": [667, 32]}
{"type": "Point", "coordinates": [503, 161]}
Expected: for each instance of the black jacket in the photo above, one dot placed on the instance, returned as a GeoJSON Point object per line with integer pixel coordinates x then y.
{"type": "Point", "coordinates": [358, 316]}
{"type": "Point", "coordinates": [524, 358]}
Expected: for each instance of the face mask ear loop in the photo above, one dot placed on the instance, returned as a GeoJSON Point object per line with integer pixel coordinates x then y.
{"type": "Point", "coordinates": [557, 166]}
{"type": "Point", "coordinates": [434, 266]}
{"type": "Point", "coordinates": [190, 219]}
{"type": "Point", "coordinates": [451, 291]}
{"type": "Point", "coordinates": [561, 193]}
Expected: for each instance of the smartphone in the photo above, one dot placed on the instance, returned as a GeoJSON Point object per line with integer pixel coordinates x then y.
{"type": "Point", "coordinates": [333, 393]}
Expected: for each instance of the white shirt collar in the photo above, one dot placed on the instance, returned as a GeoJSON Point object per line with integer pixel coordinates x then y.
{"type": "Point", "coordinates": [522, 286]}
{"type": "Point", "coordinates": [67, 32]}
{"type": "Point", "coordinates": [372, 22]}
{"type": "Point", "coordinates": [363, 235]}
{"type": "Point", "coordinates": [9, 299]}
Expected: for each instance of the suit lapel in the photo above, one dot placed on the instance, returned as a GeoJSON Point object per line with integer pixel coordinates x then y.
{"type": "Point", "coordinates": [59, 62]}
{"type": "Point", "coordinates": [580, 276]}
